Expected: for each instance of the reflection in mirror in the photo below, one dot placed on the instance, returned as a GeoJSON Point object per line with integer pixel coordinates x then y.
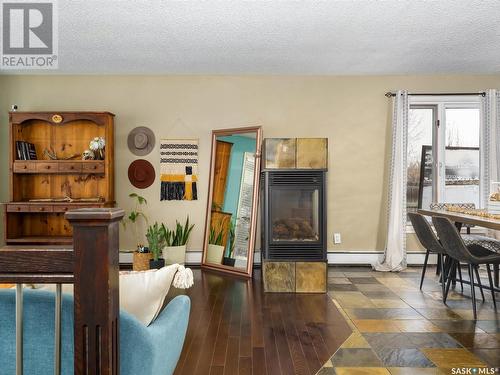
{"type": "Point", "coordinates": [231, 217]}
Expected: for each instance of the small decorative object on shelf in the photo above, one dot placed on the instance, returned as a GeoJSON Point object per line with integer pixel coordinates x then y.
{"type": "Point", "coordinates": [52, 155]}
{"type": "Point", "coordinates": [57, 119]}
{"type": "Point", "coordinates": [25, 151]}
{"type": "Point", "coordinates": [97, 145]}
{"type": "Point", "coordinates": [176, 240]}
{"type": "Point", "coordinates": [156, 242]}
{"type": "Point", "coordinates": [88, 155]}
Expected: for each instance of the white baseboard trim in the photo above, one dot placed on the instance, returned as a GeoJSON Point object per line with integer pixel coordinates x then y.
{"type": "Point", "coordinates": [338, 257]}
{"type": "Point", "coordinates": [371, 257]}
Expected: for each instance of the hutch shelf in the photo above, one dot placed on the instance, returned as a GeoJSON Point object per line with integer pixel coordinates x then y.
{"type": "Point", "coordinates": [42, 190]}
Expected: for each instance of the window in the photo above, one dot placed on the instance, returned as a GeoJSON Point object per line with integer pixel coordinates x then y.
{"type": "Point", "coordinates": [443, 151]}
{"type": "Point", "coordinates": [461, 158]}
{"type": "Point", "coordinates": [421, 120]}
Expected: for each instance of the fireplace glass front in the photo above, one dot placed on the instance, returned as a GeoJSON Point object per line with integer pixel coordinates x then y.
{"type": "Point", "coordinates": [294, 221]}
{"type": "Point", "coordinates": [294, 214]}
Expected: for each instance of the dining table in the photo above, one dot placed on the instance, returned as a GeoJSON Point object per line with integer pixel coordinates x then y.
{"type": "Point", "coordinates": [460, 219]}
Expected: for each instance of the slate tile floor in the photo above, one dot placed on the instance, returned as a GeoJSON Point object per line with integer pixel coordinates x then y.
{"type": "Point", "coordinates": [399, 330]}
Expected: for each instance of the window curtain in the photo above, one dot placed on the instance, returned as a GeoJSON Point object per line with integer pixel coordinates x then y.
{"type": "Point", "coordinates": [394, 258]}
{"type": "Point", "coordinates": [490, 146]}
{"type": "Point", "coordinates": [490, 142]}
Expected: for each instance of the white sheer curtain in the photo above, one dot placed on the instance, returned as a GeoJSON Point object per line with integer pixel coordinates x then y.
{"type": "Point", "coordinates": [395, 251]}
{"type": "Point", "coordinates": [490, 145]}
{"type": "Point", "coordinates": [490, 142]}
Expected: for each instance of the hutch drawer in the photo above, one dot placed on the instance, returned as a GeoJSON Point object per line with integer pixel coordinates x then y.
{"type": "Point", "coordinates": [24, 167]}
{"type": "Point", "coordinates": [18, 208]}
{"type": "Point", "coordinates": [93, 167]}
{"type": "Point", "coordinates": [47, 167]}
{"type": "Point", "coordinates": [70, 167]}
{"type": "Point", "coordinates": [41, 208]}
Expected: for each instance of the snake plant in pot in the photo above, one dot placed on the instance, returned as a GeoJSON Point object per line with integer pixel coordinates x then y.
{"type": "Point", "coordinates": [156, 241]}
{"type": "Point", "coordinates": [215, 248]}
{"type": "Point", "coordinates": [176, 241]}
{"type": "Point", "coordinates": [228, 259]}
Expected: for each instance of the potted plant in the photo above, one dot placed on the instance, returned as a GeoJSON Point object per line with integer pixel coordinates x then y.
{"type": "Point", "coordinates": [228, 260]}
{"type": "Point", "coordinates": [156, 242]}
{"type": "Point", "coordinates": [175, 241]}
{"type": "Point", "coordinates": [141, 253]}
{"type": "Point", "coordinates": [215, 248]}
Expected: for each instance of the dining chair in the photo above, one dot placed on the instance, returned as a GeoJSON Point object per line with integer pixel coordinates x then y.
{"type": "Point", "coordinates": [429, 241]}
{"type": "Point", "coordinates": [455, 247]}
{"type": "Point", "coordinates": [444, 206]}
{"type": "Point", "coordinates": [487, 243]}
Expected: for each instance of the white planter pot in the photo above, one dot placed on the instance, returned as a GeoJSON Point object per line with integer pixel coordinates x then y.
{"type": "Point", "coordinates": [174, 254]}
{"type": "Point", "coordinates": [214, 254]}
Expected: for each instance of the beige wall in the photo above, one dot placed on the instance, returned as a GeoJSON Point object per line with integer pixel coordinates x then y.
{"type": "Point", "coordinates": [351, 111]}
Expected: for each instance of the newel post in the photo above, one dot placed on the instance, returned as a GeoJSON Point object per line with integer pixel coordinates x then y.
{"type": "Point", "coordinates": [96, 295]}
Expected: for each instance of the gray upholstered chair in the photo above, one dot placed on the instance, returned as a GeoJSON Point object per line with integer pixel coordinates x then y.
{"type": "Point", "coordinates": [455, 247]}
{"type": "Point", "coordinates": [443, 206]}
{"type": "Point", "coordinates": [474, 241]}
{"type": "Point", "coordinates": [429, 241]}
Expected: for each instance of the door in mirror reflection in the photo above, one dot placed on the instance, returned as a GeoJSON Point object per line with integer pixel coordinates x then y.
{"type": "Point", "coordinates": [230, 232]}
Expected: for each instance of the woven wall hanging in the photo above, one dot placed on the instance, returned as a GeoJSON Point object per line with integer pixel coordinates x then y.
{"type": "Point", "coordinates": [179, 169]}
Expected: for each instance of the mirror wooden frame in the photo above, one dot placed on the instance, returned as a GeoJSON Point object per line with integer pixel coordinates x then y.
{"type": "Point", "coordinates": [255, 201]}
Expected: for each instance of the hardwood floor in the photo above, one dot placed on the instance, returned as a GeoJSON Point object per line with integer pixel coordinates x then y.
{"type": "Point", "coordinates": [236, 328]}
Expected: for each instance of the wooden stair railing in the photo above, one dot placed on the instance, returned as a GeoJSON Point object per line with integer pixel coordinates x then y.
{"type": "Point", "coordinates": [92, 266]}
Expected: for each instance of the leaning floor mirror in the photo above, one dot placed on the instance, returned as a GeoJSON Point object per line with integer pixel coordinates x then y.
{"type": "Point", "coordinates": [232, 200]}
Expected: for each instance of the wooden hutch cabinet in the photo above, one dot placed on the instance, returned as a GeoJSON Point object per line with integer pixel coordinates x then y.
{"type": "Point", "coordinates": [43, 189]}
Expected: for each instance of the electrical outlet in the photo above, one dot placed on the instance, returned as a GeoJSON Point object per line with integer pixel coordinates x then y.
{"type": "Point", "coordinates": [336, 238]}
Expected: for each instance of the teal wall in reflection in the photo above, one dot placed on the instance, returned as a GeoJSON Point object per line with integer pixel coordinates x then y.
{"type": "Point", "coordinates": [240, 146]}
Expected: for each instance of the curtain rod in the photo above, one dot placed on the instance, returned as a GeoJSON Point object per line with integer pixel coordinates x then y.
{"type": "Point", "coordinates": [391, 94]}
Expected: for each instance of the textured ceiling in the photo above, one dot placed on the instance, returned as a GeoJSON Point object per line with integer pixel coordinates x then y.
{"type": "Point", "coordinates": [279, 37]}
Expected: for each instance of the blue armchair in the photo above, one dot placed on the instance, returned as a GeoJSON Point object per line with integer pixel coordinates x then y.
{"type": "Point", "coordinates": [152, 350]}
